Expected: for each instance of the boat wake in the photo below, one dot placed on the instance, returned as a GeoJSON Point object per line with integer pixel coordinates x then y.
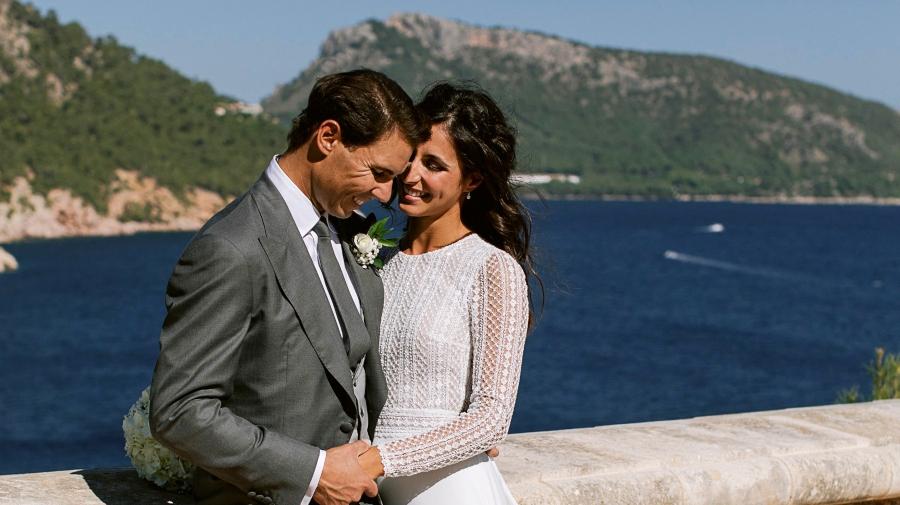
{"type": "Point", "coordinates": [732, 267]}
{"type": "Point", "coordinates": [876, 284]}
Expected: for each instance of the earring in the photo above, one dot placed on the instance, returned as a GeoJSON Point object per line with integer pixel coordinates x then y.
{"type": "Point", "coordinates": [469, 195]}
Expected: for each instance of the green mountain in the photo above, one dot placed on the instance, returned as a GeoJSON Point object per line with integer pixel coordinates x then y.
{"type": "Point", "coordinates": [635, 123]}
{"type": "Point", "coordinates": [75, 109]}
{"type": "Point", "coordinates": [89, 115]}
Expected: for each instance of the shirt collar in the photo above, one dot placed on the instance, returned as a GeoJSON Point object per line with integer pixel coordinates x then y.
{"type": "Point", "coordinates": [301, 208]}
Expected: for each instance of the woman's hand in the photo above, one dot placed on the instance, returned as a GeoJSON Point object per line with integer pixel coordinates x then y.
{"type": "Point", "coordinates": [370, 461]}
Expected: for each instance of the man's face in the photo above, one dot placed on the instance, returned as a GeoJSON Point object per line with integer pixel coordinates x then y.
{"type": "Point", "coordinates": [349, 177]}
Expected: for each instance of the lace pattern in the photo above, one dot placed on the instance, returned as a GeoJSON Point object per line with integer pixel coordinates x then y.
{"type": "Point", "coordinates": [452, 336]}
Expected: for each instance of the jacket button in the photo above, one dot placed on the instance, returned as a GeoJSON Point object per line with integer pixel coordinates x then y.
{"type": "Point", "coordinates": [346, 427]}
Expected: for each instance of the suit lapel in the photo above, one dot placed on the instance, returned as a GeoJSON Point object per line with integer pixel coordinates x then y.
{"type": "Point", "coordinates": [369, 288]}
{"type": "Point", "coordinates": [371, 298]}
{"type": "Point", "coordinates": [300, 283]}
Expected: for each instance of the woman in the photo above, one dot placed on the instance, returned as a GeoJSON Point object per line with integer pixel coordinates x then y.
{"type": "Point", "coordinates": [456, 309]}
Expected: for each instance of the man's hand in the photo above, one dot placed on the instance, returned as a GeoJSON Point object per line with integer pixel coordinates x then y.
{"type": "Point", "coordinates": [493, 452]}
{"type": "Point", "coordinates": [370, 461]}
{"type": "Point", "coordinates": [343, 481]}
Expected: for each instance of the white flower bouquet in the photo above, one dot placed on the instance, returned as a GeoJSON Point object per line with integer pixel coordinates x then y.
{"type": "Point", "coordinates": [152, 461]}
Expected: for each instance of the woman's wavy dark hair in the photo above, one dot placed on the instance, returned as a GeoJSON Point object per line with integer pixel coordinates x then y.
{"type": "Point", "coordinates": [485, 144]}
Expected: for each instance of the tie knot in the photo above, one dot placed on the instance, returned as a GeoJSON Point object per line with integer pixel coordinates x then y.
{"type": "Point", "coordinates": [322, 230]}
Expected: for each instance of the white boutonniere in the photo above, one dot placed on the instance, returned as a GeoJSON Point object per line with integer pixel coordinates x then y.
{"type": "Point", "coordinates": [366, 246]}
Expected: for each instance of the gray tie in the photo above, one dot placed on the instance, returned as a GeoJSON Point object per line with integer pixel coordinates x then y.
{"type": "Point", "coordinates": [351, 322]}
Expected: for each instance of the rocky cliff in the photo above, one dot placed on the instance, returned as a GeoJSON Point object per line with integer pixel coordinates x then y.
{"type": "Point", "coordinates": [635, 123]}
{"type": "Point", "coordinates": [7, 262]}
{"type": "Point", "coordinates": [98, 139]}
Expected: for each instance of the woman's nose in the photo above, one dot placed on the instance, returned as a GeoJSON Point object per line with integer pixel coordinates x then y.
{"type": "Point", "coordinates": [412, 174]}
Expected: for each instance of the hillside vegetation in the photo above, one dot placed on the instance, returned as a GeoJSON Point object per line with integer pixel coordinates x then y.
{"type": "Point", "coordinates": [74, 109]}
{"type": "Point", "coordinates": [635, 123]}
{"type": "Point", "coordinates": [90, 115]}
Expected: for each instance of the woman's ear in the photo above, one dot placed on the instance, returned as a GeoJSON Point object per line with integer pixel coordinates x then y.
{"type": "Point", "coordinates": [327, 136]}
{"type": "Point", "coordinates": [472, 181]}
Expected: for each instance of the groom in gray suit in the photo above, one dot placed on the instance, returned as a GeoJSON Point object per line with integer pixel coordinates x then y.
{"type": "Point", "coordinates": [268, 377]}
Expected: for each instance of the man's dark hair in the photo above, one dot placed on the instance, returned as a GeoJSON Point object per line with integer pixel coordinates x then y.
{"type": "Point", "coordinates": [367, 104]}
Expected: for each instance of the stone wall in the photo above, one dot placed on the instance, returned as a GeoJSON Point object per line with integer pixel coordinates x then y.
{"type": "Point", "coordinates": [835, 454]}
{"type": "Point", "coordinates": [818, 455]}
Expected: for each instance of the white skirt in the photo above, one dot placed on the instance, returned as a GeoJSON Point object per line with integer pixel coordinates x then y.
{"type": "Point", "coordinates": [475, 481]}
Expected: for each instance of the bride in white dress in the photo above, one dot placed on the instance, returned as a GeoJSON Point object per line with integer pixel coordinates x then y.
{"type": "Point", "coordinates": [456, 309]}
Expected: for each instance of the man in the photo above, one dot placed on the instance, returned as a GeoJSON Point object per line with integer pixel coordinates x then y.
{"type": "Point", "coordinates": [268, 363]}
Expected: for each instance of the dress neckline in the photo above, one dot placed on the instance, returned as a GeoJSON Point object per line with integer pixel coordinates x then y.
{"type": "Point", "coordinates": [442, 248]}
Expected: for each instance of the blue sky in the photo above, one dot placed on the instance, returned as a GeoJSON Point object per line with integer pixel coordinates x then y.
{"type": "Point", "coordinates": [244, 49]}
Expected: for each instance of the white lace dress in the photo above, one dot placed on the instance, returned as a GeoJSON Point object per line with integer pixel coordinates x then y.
{"type": "Point", "coordinates": [452, 336]}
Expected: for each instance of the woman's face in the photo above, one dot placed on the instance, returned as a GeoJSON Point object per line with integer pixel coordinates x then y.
{"type": "Point", "coordinates": [434, 184]}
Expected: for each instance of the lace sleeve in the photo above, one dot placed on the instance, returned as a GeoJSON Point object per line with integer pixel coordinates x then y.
{"type": "Point", "coordinates": [498, 308]}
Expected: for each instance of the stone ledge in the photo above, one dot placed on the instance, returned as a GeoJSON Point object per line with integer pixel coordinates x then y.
{"type": "Point", "coordinates": [818, 455]}
{"type": "Point", "coordinates": [837, 454]}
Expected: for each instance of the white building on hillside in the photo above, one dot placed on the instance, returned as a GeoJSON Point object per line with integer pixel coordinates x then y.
{"type": "Point", "coordinates": [546, 178]}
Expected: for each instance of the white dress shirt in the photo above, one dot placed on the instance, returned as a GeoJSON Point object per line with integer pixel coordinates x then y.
{"type": "Point", "coordinates": [305, 217]}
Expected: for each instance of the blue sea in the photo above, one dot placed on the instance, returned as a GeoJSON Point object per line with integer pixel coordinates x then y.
{"type": "Point", "coordinates": [650, 312]}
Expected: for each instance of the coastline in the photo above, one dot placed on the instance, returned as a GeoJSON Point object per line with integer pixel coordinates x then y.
{"type": "Point", "coordinates": [42, 227]}
{"type": "Point", "coordinates": [72, 218]}
{"type": "Point", "coordinates": [135, 204]}
{"type": "Point", "coordinates": [760, 200]}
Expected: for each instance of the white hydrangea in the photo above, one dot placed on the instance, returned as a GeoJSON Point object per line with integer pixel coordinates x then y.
{"type": "Point", "coordinates": [152, 461]}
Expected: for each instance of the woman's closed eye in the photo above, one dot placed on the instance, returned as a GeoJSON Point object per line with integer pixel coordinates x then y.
{"type": "Point", "coordinates": [382, 175]}
{"type": "Point", "coordinates": [433, 164]}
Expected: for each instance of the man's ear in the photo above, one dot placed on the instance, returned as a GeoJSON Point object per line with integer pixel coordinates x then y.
{"type": "Point", "coordinates": [472, 181]}
{"type": "Point", "coordinates": [327, 136]}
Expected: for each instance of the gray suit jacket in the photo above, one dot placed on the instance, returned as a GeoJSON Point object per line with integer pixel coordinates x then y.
{"type": "Point", "coordinates": [252, 377]}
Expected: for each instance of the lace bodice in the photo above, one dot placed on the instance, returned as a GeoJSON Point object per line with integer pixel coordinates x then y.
{"type": "Point", "coordinates": [452, 335]}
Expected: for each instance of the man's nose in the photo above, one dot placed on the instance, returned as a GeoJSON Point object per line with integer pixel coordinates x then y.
{"type": "Point", "coordinates": [383, 191]}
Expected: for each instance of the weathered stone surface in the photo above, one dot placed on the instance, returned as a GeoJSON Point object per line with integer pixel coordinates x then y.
{"type": "Point", "coordinates": [837, 454]}
{"type": "Point", "coordinates": [85, 487]}
{"type": "Point", "coordinates": [819, 455]}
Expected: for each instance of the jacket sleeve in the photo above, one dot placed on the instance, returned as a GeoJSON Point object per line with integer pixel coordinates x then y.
{"type": "Point", "coordinates": [209, 300]}
{"type": "Point", "coordinates": [498, 325]}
